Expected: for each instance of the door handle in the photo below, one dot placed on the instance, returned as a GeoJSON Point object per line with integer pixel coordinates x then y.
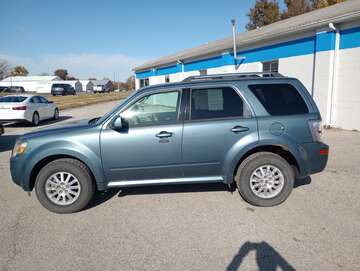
{"type": "Point", "coordinates": [239, 129]}
{"type": "Point", "coordinates": [164, 134]}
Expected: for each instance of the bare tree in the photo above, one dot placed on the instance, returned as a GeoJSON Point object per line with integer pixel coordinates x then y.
{"type": "Point", "coordinates": [4, 69]}
{"type": "Point", "coordinates": [130, 82]}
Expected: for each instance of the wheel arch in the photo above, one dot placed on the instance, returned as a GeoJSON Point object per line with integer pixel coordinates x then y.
{"type": "Point", "coordinates": [276, 149]}
{"type": "Point", "coordinates": [46, 160]}
{"type": "Point", "coordinates": [290, 152]}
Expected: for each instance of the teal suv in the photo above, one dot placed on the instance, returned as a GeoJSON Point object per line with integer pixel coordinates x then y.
{"type": "Point", "coordinates": [260, 131]}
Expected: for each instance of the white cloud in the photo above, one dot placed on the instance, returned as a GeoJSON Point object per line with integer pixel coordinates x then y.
{"type": "Point", "coordinates": [81, 66]}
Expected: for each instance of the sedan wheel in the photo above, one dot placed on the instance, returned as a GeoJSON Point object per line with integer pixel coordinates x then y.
{"type": "Point", "coordinates": [35, 119]}
{"type": "Point", "coordinates": [56, 114]}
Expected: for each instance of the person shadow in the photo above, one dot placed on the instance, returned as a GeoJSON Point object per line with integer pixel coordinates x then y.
{"type": "Point", "coordinates": [267, 258]}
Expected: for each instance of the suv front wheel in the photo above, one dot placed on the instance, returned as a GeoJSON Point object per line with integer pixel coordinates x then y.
{"type": "Point", "coordinates": [265, 179]}
{"type": "Point", "coordinates": [64, 186]}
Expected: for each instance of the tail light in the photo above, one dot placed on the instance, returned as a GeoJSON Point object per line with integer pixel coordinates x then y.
{"type": "Point", "coordinates": [19, 108]}
{"type": "Point", "coordinates": [316, 129]}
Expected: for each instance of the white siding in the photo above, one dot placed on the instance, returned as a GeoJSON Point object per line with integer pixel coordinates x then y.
{"type": "Point", "coordinates": [322, 83]}
{"type": "Point", "coordinates": [300, 67]}
{"type": "Point", "coordinates": [347, 92]}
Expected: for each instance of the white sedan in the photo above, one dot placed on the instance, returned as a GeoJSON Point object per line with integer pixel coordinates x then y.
{"type": "Point", "coordinates": [31, 108]}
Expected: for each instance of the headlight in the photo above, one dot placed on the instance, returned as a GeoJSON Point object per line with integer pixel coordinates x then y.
{"type": "Point", "coordinates": [19, 148]}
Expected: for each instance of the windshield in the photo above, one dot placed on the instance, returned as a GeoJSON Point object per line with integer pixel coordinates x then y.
{"type": "Point", "coordinates": [13, 99]}
{"type": "Point", "coordinates": [100, 120]}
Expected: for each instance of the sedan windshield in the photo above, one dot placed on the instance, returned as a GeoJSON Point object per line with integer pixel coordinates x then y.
{"type": "Point", "coordinates": [12, 99]}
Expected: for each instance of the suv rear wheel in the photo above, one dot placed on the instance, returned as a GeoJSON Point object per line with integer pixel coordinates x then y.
{"type": "Point", "coordinates": [64, 186]}
{"type": "Point", "coordinates": [265, 179]}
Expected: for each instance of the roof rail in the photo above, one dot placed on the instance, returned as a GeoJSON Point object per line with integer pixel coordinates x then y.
{"type": "Point", "coordinates": [232, 75]}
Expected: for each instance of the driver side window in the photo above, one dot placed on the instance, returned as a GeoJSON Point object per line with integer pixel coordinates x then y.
{"type": "Point", "coordinates": [154, 109]}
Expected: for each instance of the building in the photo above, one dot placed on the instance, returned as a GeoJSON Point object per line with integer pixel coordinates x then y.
{"type": "Point", "coordinates": [38, 84]}
{"type": "Point", "coordinates": [104, 85]}
{"type": "Point", "coordinates": [321, 48]}
{"type": "Point", "coordinates": [74, 83]}
{"type": "Point", "coordinates": [87, 85]}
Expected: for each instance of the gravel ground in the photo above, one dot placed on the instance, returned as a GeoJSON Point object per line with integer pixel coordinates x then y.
{"type": "Point", "coordinates": [191, 227]}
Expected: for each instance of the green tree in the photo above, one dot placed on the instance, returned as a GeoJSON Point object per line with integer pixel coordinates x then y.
{"type": "Point", "coordinates": [295, 7]}
{"type": "Point", "coordinates": [264, 12]}
{"type": "Point", "coordinates": [62, 73]}
{"type": "Point", "coordinates": [19, 71]}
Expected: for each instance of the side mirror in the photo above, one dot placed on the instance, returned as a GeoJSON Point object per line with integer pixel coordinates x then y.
{"type": "Point", "coordinates": [50, 102]}
{"type": "Point", "coordinates": [116, 123]}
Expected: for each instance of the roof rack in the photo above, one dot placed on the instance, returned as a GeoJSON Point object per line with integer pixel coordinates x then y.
{"type": "Point", "coordinates": [232, 75]}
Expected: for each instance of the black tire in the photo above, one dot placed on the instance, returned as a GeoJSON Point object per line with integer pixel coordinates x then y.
{"type": "Point", "coordinates": [76, 168]}
{"type": "Point", "coordinates": [250, 164]}
{"type": "Point", "coordinates": [56, 114]}
{"type": "Point", "coordinates": [35, 119]}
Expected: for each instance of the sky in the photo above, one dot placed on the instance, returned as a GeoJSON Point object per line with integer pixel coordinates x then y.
{"type": "Point", "coordinates": [99, 38]}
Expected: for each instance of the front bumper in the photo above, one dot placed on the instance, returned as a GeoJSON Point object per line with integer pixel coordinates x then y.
{"type": "Point", "coordinates": [17, 169]}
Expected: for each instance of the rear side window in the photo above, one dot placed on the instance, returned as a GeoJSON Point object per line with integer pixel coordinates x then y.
{"type": "Point", "coordinates": [213, 103]}
{"type": "Point", "coordinates": [12, 99]}
{"type": "Point", "coordinates": [280, 99]}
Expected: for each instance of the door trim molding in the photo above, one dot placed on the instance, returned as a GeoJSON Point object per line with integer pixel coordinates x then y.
{"type": "Point", "coordinates": [208, 179]}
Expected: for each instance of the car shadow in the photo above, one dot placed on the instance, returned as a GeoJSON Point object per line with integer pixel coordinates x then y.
{"type": "Point", "coordinates": [42, 123]}
{"type": "Point", "coordinates": [7, 142]}
{"type": "Point", "coordinates": [267, 258]}
{"type": "Point", "coordinates": [302, 181]}
{"type": "Point", "coordinates": [103, 196]}
{"type": "Point", "coordinates": [172, 189]}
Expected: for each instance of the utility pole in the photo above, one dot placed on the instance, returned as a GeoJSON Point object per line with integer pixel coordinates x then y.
{"type": "Point", "coordinates": [114, 79]}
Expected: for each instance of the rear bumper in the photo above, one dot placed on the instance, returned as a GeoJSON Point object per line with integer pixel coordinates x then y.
{"type": "Point", "coordinates": [58, 93]}
{"type": "Point", "coordinates": [315, 155]}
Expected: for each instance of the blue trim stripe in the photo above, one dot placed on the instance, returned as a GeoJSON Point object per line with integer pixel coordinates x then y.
{"type": "Point", "coordinates": [350, 38]}
{"type": "Point", "coordinates": [323, 41]}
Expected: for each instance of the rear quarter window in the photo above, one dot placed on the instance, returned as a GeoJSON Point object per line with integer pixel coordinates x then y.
{"type": "Point", "coordinates": [280, 99]}
{"type": "Point", "coordinates": [12, 99]}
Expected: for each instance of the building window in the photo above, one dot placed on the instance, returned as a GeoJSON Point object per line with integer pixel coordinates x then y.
{"type": "Point", "coordinates": [167, 79]}
{"type": "Point", "coordinates": [271, 66]}
{"type": "Point", "coordinates": [203, 72]}
{"type": "Point", "coordinates": [144, 82]}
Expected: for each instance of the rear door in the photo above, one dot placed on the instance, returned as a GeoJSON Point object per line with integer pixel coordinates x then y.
{"type": "Point", "coordinates": [39, 107]}
{"type": "Point", "coordinates": [48, 107]}
{"type": "Point", "coordinates": [218, 118]}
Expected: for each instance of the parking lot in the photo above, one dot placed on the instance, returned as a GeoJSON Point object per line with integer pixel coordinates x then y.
{"type": "Point", "coordinates": [191, 227]}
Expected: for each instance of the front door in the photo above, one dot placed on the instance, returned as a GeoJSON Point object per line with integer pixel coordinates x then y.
{"type": "Point", "coordinates": [218, 120]}
{"type": "Point", "coordinates": [148, 147]}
